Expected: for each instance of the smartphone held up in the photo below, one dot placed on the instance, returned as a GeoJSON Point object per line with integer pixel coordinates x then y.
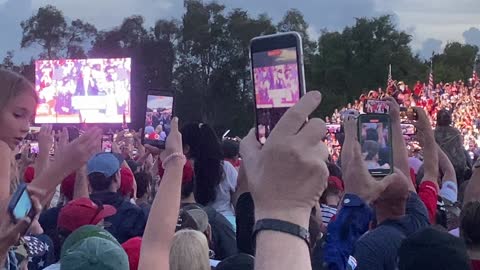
{"type": "Point", "coordinates": [158, 118]}
{"type": "Point", "coordinates": [278, 78]}
{"type": "Point", "coordinates": [375, 136]}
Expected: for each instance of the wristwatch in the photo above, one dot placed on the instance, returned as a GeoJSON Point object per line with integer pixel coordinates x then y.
{"type": "Point", "coordinates": [281, 226]}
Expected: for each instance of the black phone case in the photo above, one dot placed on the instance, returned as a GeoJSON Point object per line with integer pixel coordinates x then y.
{"type": "Point", "coordinates": [364, 118]}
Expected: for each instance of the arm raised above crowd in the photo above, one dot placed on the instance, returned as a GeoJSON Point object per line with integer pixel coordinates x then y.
{"type": "Point", "coordinates": [400, 154]}
{"type": "Point", "coordinates": [430, 149]}
{"type": "Point", "coordinates": [163, 217]}
{"type": "Point", "coordinates": [286, 177]}
{"type": "Point", "coordinates": [70, 157]}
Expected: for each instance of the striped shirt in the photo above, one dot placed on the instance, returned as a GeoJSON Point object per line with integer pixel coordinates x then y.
{"type": "Point", "coordinates": [327, 213]}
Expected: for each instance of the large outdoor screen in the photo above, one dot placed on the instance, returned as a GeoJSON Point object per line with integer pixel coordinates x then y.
{"type": "Point", "coordinates": [83, 90]}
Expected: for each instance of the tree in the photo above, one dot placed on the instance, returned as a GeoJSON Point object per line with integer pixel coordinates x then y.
{"type": "Point", "coordinates": [8, 61]}
{"type": "Point", "coordinates": [455, 63]}
{"type": "Point", "coordinates": [356, 59]}
{"type": "Point", "coordinates": [78, 33]}
{"type": "Point", "coordinates": [47, 28]}
{"type": "Point", "coordinates": [212, 76]}
{"type": "Point", "coordinates": [293, 20]}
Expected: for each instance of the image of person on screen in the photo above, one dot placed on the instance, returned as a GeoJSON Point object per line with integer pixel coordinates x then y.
{"type": "Point", "coordinates": [370, 151]}
{"type": "Point", "coordinates": [86, 84]}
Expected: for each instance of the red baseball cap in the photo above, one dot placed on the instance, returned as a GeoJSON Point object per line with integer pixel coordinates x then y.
{"type": "Point", "coordinates": [83, 211]}
{"type": "Point", "coordinates": [336, 182]}
{"type": "Point", "coordinates": [29, 174]}
{"type": "Point", "coordinates": [187, 172]}
{"type": "Point", "coordinates": [68, 185]}
{"type": "Point", "coordinates": [126, 184]}
{"type": "Point", "coordinates": [132, 248]}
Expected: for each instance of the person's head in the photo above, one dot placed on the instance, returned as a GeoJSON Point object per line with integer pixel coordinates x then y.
{"type": "Point", "coordinates": [67, 186]}
{"type": "Point", "coordinates": [104, 172]}
{"type": "Point", "coordinates": [127, 179]}
{"type": "Point", "coordinates": [82, 211]}
{"type": "Point", "coordinates": [189, 251]}
{"type": "Point", "coordinates": [469, 224]}
{"type": "Point", "coordinates": [333, 193]}
{"type": "Point", "coordinates": [159, 129]}
{"type": "Point", "coordinates": [201, 144]}
{"type": "Point", "coordinates": [240, 261]}
{"type": "Point", "coordinates": [371, 135]}
{"type": "Point", "coordinates": [194, 218]}
{"type": "Point", "coordinates": [370, 150]}
{"type": "Point", "coordinates": [392, 202]}
{"type": "Point", "coordinates": [187, 179]}
{"type": "Point", "coordinates": [431, 248]}
{"type": "Point", "coordinates": [18, 102]}
{"type": "Point", "coordinates": [132, 247]}
{"type": "Point", "coordinates": [444, 118]}
{"type": "Point", "coordinates": [92, 248]}
{"type": "Point", "coordinates": [231, 149]}
{"type": "Point", "coordinates": [143, 180]}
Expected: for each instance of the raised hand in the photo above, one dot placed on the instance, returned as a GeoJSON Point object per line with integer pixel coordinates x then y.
{"type": "Point", "coordinates": [45, 139]}
{"type": "Point", "coordinates": [394, 108]}
{"type": "Point", "coordinates": [288, 174]}
{"type": "Point", "coordinates": [173, 145]}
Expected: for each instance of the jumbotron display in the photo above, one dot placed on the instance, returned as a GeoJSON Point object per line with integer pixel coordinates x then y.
{"type": "Point", "coordinates": [83, 91]}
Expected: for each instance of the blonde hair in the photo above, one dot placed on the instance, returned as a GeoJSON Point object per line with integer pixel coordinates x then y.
{"type": "Point", "coordinates": [13, 84]}
{"type": "Point", "coordinates": [189, 251]}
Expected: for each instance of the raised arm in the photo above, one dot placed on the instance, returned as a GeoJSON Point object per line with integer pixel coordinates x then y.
{"type": "Point", "coordinates": [292, 159]}
{"type": "Point", "coordinates": [68, 159]}
{"type": "Point", "coordinates": [399, 148]}
{"type": "Point", "coordinates": [163, 217]}
{"type": "Point", "coordinates": [430, 148]}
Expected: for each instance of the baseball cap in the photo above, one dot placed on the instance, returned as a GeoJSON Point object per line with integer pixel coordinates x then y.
{"type": "Point", "coordinates": [83, 211]}
{"type": "Point", "coordinates": [95, 253]}
{"type": "Point", "coordinates": [132, 248]}
{"type": "Point", "coordinates": [68, 185]}
{"type": "Point", "coordinates": [431, 248]}
{"type": "Point", "coordinates": [105, 163]}
{"type": "Point", "coordinates": [29, 174]}
{"type": "Point", "coordinates": [85, 232]}
{"type": "Point", "coordinates": [449, 191]}
{"type": "Point", "coordinates": [192, 217]}
{"type": "Point", "coordinates": [336, 182]}
{"type": "Point", "coordinates": [126, 182]}
{"type": "Point", "coordinates": [187, 172]}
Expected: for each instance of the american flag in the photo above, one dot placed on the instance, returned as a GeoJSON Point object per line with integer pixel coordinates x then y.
{"type": "Point", "coordinates": [389, 78]}
{"type": "Point", "coordinates": [430, 77]}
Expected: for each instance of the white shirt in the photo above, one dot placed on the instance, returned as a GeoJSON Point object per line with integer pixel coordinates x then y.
{"type": "Point", "coordinates": [228, 185]}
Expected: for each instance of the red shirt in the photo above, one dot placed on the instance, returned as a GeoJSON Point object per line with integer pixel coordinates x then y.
{"type": "Point", "coordinates": [428, 193]}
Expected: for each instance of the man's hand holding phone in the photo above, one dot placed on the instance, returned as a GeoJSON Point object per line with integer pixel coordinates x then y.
{"type": "Point", "coordinates": [356, 177]}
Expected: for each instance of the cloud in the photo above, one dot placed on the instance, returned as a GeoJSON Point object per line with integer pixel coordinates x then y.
{"type": "Point", "coordinates": [430, 45]}
{"type": "Point", "coordinates": [472, 36]}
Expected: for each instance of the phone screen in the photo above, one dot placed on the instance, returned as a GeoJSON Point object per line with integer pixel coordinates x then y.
{"type": "Point", "coordinates": [107, 143]}
{"type": "Point", "coordinates": [376, 106]}
{"type": "Point", "coordinates": [277, 86]}
{"type": "Point", "coordinates": [23, 206]}
{"type": "Point", "coordinates": [376, 141]}
{"type": "Point", "coordinates": [34, 148]}
{"type": "Point", "coordinates": [408, 129]}
{"type": "Point", "coordinates": [157, 120]}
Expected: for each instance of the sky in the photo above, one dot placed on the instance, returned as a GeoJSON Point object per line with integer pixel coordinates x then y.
{"type": "Point", "coordinates": [432, 23]}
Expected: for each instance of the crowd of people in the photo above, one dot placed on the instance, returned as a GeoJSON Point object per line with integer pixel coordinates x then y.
{"type": "Point", "coordinates": [454, 104]}
{"type": "Point", "coordinates": [197, 205]}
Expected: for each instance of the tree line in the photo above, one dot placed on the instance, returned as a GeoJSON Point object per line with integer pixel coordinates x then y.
{"type": "Point", "coordinates": [203, 57]}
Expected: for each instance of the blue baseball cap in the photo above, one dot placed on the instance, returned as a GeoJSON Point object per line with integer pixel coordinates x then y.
{"type": "Point", "coordinates": [105, 163]}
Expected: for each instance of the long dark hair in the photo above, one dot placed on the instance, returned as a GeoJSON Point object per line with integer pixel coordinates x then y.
{"type": "Point", "coordinates": [206, 151]}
